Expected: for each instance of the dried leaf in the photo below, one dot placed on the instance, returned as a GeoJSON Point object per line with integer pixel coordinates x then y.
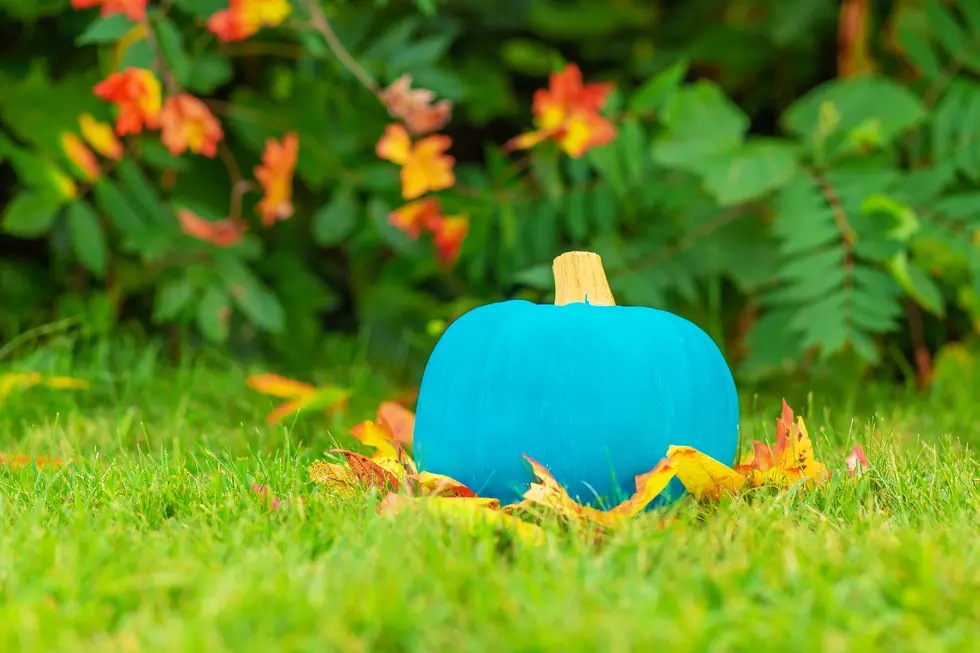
{"type": "Point", "coordinates": [548, 493]}
{"type": "Point", "coordinates": [788, 461]}
{"type": "Point", "coordinates": [400, 422]}
{"type": "Point", "coordinates": [439, 485]}
{"type": "Point", "coordinates": [380, 437]}
{"type": "Point", "coordinates": [279, 386]}
{"type": "Point", "coordinates": [471, 513]}
{"type": "Point", "coordinates": [381, 473]}
{"type": "Point", "coordinates": [703, 476]}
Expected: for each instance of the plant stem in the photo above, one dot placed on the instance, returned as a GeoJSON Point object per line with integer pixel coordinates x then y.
{"type": "Point", "coordinates": [320, 23]}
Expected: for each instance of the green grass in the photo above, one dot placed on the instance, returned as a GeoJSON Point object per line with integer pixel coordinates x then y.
{"type": "Point", "coordinates": [153, 540]}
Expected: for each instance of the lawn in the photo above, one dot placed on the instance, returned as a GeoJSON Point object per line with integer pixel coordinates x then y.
{"type": "Point", "coordinates": [153, 539]}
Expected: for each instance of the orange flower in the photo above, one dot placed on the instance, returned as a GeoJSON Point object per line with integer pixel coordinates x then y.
{"type": "Point", "coordinates": [568, 112]}
{"type": "Point", "coordinates": [425, 166]}
{"type": "Point", "coordinates": [135, 10]}
{"type": "Point", "coordinates": [416, 108]}
{"type": "Point", "coordinates": [99, 135]}
{"type": "Point", "coordinates": [221, 233]}
{"type": "Point", "coordinates": [416, 216]}
{"type": "Point", "coordinates": [137, 93]}
{"type": "Point", "coordinates": [276, 176]}
{"type": "Point", "coordinates": [187, 123]}
{"type": "Point", "coordinates": [79, 154]}
{"type": "Point", "coordinates": [243, 18]}
{"type": "Point", "coordinates": [450, 232]}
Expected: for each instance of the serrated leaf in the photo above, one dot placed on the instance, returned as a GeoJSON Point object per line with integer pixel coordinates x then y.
{"type": "Point", "coordinates": [88, 240]}
{"type": "Point", "coordinates": [860, 103]}
{"type": "Point", "coordinates": [30, 214]}
{"type": "Point", "coordinates": [336, 219]}
{"type": "Point", "coordinates": [171, 298]}
{"type": "Point", "coordinates": [751, 172]}
{"type": "Point", "coordinates": [702, 124]}
{"type": "Point", "coordinates": [213, 314]}
{"type": "Point", "coordinates": [654, 93]}
{"type": "Point", "coordinates": [105, 30]}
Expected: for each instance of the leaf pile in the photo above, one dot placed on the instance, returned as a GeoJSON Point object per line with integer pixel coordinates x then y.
{"type": "Point", "coordinates": [392, 471]}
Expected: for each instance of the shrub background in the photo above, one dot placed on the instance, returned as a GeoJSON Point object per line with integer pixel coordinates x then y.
{"type": "Point", "coordinates": [801, 179]}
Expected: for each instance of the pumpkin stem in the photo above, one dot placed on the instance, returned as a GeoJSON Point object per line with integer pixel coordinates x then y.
{"type": "Point", "coordinates": [579, 277]}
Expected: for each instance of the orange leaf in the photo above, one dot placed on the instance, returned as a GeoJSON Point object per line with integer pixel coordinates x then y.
{"type": "Point", "coordinates": [82, 157]}
{"type": "Point", "coordinates": [416, 108]}
{"type": "Point", "coordinates": [276, 177]}
{"type": "Point", "coordinates": [137, 93]}
{"type": "Point", "coordinates": [703, 476]}
{"type": "Point", "coordinates": [100, 137]}
{"type": "Point", "coordinates": [19, 461]}
{"type": "Point", "coordinates": [789, 460]}
{"type": "Point", "coordinates": [220, 233]}
{"type": "Point", "coordinates": [377, 436]}
{"type": "Point", "coordinates": [439, 485]}
{"type": "Point", "coordinates": [279, 386]}
{"type": "Point", "coordinates": [187, 123]}
{"type": "Point", "coordinates": [400, 422]}
{"type": "Point", "coordinates": [548, 493]}
{"type": "Point", "coordinates": [370, 471]}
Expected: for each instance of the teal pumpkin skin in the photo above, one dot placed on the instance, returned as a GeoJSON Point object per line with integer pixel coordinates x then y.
{"type": "Point", "coordinates": [594, 393]}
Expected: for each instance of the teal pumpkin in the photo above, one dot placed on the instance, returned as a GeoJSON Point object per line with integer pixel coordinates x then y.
{"type": "Point", "coordinates": [593, 391]}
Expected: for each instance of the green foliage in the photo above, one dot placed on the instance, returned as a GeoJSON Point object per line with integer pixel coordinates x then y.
{"type": "Point", "coordinates": [745, 179]}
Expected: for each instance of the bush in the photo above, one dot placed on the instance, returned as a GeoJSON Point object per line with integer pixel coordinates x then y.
{"type": "Point", "coordinates": [786, 174]}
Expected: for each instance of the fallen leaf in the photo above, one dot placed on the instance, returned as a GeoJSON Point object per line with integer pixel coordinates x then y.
{"type": "Point", "coordinates": [703, 476]}
{"type": "Point", "coordinates": [279, 386]}
{"type": "Point", "coordinates": [548, 493]}
{"type": "Point", "coordinates": [400, 421]}
{"type": "Point", "coordinates": [19, 461]}
{"type": "Point", "coordinates": [471, 513]}
{"type": "Point", "coordinates": [380, 437]}
{"type": "Point", "coordinates": [382, 473]}
{"type": "Point", "coordinates": [790, 460]}
{"type": "Point", "coordinates": [856, 461]}
{"type": "Point", "coordinates": [302, 396]}
{"type": "Point", "coordinates": [439, 485]}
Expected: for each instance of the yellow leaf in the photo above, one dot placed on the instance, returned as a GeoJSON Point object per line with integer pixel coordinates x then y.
{"type": "Point", "coordinates": [470, 513]}
{"type": "Point", "coordinates": [65, 383]}
{"type": "Point", "coordinates": [703, 476]}
{"type": "Point", "coordinates": [548, 493]}
{"type": "Point", "coordinates": [372, 435]}
{"type": "Point", "coordinates": [279, 386]}
{"type": "Point", "coordinates": [444, 486]}
{"type": "Point", "coordinates": [11, 381]}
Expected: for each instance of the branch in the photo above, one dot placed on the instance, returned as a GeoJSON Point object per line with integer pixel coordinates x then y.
{"type": "Point", "coordinates": [322, 25]}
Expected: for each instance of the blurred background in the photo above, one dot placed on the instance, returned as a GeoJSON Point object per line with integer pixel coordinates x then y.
{"type": "Point", "coordinates": [801, 179]}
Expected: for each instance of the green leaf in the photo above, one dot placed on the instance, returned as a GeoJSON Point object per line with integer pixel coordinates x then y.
{"type": "Point", "coordinates": [654, 93]}
{"type": "Point", "coordinates": [209, 71]}
{"type": "Point", "coordinates": [702, 123]}
{"type": "Point", "coordinates": [143, 192]}
{"type": "Point", "coordinates": [917, 47]}
{"type": "Point", "coordinates": [917, 284]}
{"type": "Point", "coordinates": [138, 55]}
{"type": "Point", "coordinates": [949, 34]}
{"type": "Point", "coordinates": [577, 214]}
{"type": "Point", "coordinates": [172, 48]}
{"type": "Point", "coordinates": [751, 172]}
{"type": "Point", "coordinates": [831, 113]}
{"type": "Point", "coordinates": [955, 132]}
{"type": "Point", "coordinates": [41, 174]}
{"type": "Point", "coordinates": [30, 214]}
{"type": "Point", "coordinates": [87, 238]}
{"type": "Point", "coordinates": [213, 314]}
{"type": "Point", "coordinates": [172, 297]}
{"type": "Point", "coordinates": [259, 304]}
{"type": "Point", "coordinates": [105, 30]}
{"type": "Point", "coordinates": [336, 219]}
{"type": "Point", "coordinates": [117, 207]}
